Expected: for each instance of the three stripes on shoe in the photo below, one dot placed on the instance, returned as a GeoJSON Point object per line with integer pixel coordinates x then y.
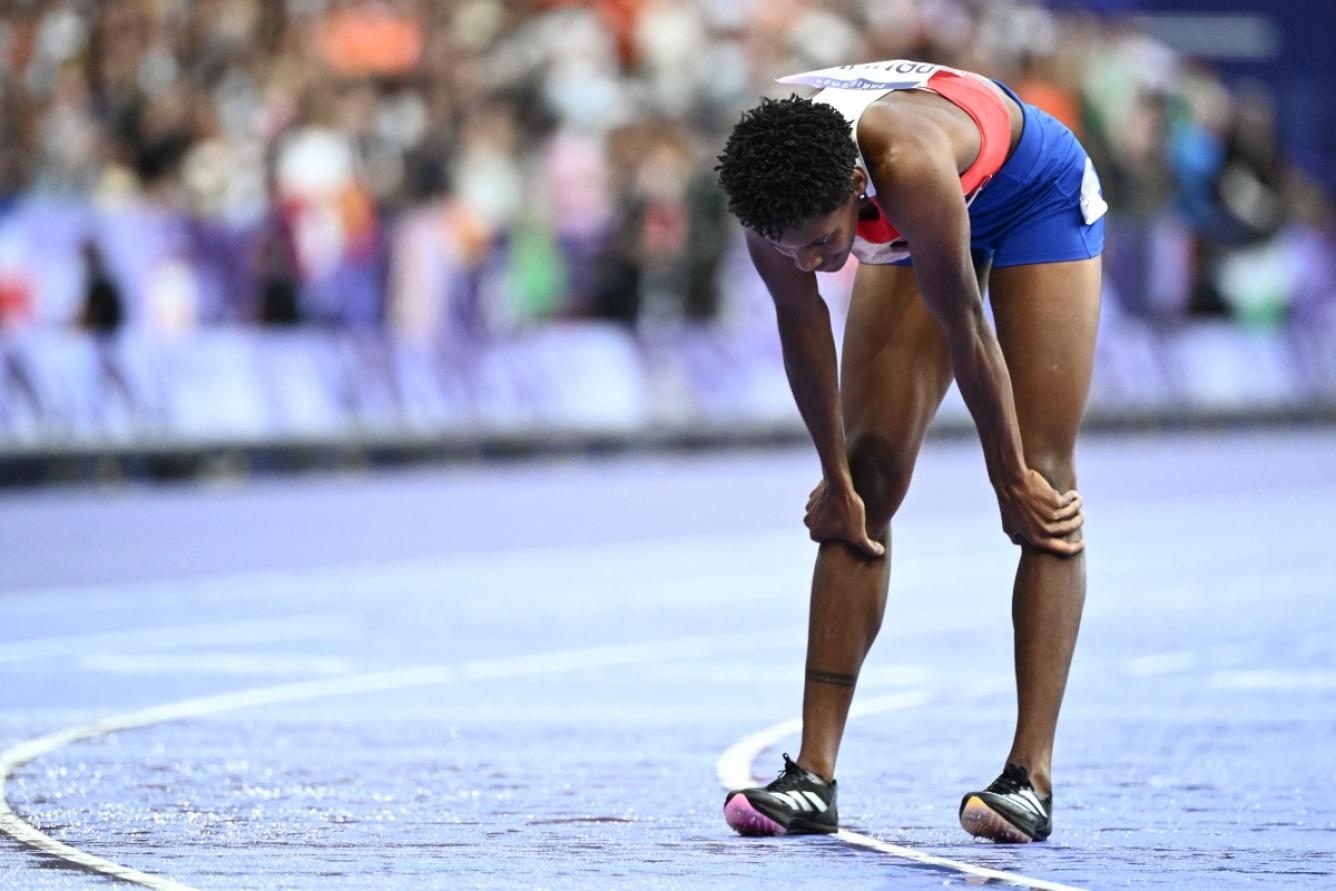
{"type": "Point", "coordinates": [803, 801]}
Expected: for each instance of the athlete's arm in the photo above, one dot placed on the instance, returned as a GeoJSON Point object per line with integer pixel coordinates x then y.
{"type": "Point", "coordinates": [835, 510]}
{"type": "Point", "coordinates": [919, 187]}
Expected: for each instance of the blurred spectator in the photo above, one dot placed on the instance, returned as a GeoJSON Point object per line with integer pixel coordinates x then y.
{"type": "Point", "coordinates": [103, 310]}
{"type": "Point", "coordinates": [1041, 82]}
{"type": "Point", "coordinates": [277, 274]}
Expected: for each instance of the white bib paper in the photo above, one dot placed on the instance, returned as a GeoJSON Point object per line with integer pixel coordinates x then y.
{"type": "Point", "coordinates": [1093, 205]}
{"type": "Point", "coordinates": [897, 74]}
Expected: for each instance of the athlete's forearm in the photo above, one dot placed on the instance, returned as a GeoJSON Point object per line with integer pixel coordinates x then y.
{"type": "Point", "coordinates": [981, 373]}
{"type": "Point", "coordinates": [810, 363]}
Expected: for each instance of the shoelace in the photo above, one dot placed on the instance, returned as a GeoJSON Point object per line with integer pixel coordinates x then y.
{"type": "Point", "coordinates": [791, 771]}
{"type": "Point", "coordinates": [1013, 779]}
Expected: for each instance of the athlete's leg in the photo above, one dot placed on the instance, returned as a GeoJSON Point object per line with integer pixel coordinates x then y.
{"type": "Point", "coordinates": [896, 367]}
{"type": "Point", "coordinates": [1046, 317]}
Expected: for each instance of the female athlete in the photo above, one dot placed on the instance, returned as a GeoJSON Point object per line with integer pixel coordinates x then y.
{"type": "Point", "coordinates": [942, 183]}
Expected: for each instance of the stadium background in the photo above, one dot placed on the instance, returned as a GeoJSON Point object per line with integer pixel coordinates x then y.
{"type": "Point", "coordinates": [249, 236]}
{"type": "Point", "coordinates": [237, 228]}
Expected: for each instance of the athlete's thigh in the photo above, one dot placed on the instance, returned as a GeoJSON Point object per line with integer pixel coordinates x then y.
{"type": "Point", "coordinates": [896, 368]}
{"type": "Point", "coordinates": [1047, 315]}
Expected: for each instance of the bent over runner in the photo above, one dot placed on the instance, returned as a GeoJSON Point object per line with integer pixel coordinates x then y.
{"type": "Point", "coordinates": [942, 183]}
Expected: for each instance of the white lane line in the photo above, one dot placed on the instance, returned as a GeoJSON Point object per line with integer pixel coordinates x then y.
{"type": "Point", "coordinates": [214, 663]}
{"type": "Point", "coordinates": [735, 770]}
{"type": "Point", "coordinates": [393, 575]}
{"type": "Point", "coordinates": [1162, 663]}
{"type": "Point", "coordinates": [299, 627]}
{"type": "Point", "coordinates": [982, 872]}
{"type": "Point", "coordinates": [397, 679]}
{"type": "Point", "coordinates": [735, 766]}
{"type": "Point", "coordinates": [1274, 679]}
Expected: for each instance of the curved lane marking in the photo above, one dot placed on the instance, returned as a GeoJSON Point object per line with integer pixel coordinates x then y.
{"type": "Point", "coordinates": [697, 646]}
{"type": "Point", "coordinates": [258, 630]}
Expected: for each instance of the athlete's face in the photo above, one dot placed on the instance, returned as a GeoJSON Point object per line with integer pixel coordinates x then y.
{"type": "Point", "coordinates": [823, 243]}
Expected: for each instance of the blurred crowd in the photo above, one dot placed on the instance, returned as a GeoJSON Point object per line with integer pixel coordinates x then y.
{"type": "Point", "coordinates": [467, 168]}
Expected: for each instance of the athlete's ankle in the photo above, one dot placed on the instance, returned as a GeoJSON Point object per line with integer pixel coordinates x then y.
{"type": "Point", "coordinates": [822, 767]}
{"type": "Point", "coordinates": [1038, 766]}
{"type": "Point", "coordinates": [1040, 777]}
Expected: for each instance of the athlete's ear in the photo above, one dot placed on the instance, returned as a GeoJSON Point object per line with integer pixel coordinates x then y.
{"type": "Point", "coordinates": [860, 181]}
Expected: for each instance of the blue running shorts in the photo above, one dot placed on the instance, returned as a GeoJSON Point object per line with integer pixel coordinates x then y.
{"type": "Point", "coordinates": [1043, 205]}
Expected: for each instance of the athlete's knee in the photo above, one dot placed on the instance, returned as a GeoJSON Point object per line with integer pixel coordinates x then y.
{"type": "Point", "coordinates": [881, 473]}
{"type": "Point", "coordinates": [1058, 466]}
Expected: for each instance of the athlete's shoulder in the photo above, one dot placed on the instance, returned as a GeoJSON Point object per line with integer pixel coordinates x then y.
{"type": "Point", "coordinates": [899, 136]}
{"type": "Point", "coordinates": [898, 141]}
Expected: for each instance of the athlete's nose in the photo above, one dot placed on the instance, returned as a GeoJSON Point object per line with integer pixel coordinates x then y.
{"type": "Point", "coordinates": [810, 262]}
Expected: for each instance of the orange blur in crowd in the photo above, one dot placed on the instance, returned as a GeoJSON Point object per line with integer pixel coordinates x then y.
{"type": "Point", "coordinates": [367, 40]}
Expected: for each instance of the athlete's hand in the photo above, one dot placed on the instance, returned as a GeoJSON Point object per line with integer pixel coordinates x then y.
{"type": "Point", "coordinates": [835, 513]}
{"type": "Point", "coordinates": [1035, 513]}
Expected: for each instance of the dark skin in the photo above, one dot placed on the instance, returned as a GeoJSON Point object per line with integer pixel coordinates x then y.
{"type": "Point", "coordinates": [910, 331]}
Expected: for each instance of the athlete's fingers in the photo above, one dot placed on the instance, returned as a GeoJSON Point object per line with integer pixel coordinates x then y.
{"type": "Point", "coordinates": [1061, 546]}
{"type": "Point", "coordinates": [871, 548]}
{"type": "Point", "coordinates": [1070, 509]}
{"type": "Point", "coordinates": [1065, 527]}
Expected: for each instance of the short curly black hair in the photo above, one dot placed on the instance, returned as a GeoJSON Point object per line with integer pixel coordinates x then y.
{"type": "Point", "coordinates": [787, 161]}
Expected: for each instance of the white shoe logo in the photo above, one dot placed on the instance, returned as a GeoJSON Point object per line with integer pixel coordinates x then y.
{"type": "Point", "coordinates": [1031, 801]}
{"type": "Point", "coordinates": [801, 801]}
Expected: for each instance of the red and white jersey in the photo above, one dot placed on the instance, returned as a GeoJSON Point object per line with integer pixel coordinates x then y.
{"type": "Point", "coordinates": [850, 89]}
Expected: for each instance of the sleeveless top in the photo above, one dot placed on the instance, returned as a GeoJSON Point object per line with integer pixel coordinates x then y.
{"type": "Point", "coordinates": [850, 89]}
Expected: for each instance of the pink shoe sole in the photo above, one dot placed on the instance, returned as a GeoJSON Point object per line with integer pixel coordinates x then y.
{"type": "Point", "coordinates": [747, 820]}
{"type": "Point", "coordinates": [981, 821]}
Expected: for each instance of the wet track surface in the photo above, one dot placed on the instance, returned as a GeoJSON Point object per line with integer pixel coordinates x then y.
{"type": "Point", "coordinates": [524, 676]}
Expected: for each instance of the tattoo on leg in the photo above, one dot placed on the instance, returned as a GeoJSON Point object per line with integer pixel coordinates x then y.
{"type": "Point", "coordinates": [832, 677]}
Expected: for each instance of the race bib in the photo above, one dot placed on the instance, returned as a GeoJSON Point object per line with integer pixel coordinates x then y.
{"type": "Point", "coordinates": [897, 74]}
{"type": "Point", "coordinates": [1093, 205]}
